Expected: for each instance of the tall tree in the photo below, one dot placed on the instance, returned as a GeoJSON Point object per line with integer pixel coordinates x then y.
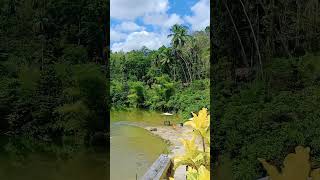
{"type": "Point", "coordinates": [179, 36]}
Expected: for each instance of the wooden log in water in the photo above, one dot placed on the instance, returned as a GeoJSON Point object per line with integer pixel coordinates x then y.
{"type": "Point", "coordinates": [160, 169]}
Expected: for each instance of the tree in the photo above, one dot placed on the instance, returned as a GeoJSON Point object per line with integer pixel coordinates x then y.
{"type": "Point", "coordinates": [179, 38]}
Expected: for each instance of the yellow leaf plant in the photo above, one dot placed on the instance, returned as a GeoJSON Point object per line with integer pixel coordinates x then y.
{"type": "Point", "coordinates": [197, 159]}
{"type": "Point", "coordinates": [296, 167]}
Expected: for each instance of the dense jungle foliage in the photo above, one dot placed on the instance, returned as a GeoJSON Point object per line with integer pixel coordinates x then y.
{"type": "Point", "coordinates": [266, 82]}
{"type": "Point", "coordinates": [174, 78]}
{"type": "Point", "coordinates": [52, 66]}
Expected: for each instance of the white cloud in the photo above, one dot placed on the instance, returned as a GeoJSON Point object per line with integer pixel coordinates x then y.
{"type": "Point", "coordinates": [137, 40]}
{"type": "Point", "coordinates": [162, 19]}
{"type": "Point", "coordinates": [128, 26]}
{"type": "Point", "coordinates": [116, 36]}
{"type": "Point", "coordinates": [201, 15]}
{"type": "Point", "coordinates": [129, 34]}
{"type": "Point", "coordinates": [131, 9]}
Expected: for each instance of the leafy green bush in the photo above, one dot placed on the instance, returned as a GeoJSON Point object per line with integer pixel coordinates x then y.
{"type": "Point", "coordinates": [163, 95]}
{"type": "Point", "coordinates": [136, 95]}
{"type": "Point", "coordinates": [269, 118]}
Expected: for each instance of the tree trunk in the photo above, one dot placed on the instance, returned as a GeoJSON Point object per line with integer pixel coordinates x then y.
{"type": "Point", "coordinates": [184, 73]}
{"type": "Point", "coordinates": [79, 29]}
{"type": "Point", "coordinates": [186, 66]}
{"type": "Point", "coordinates": [174, 73]}
{"type": "Point", "coordinates": [238, 35]}
{"type": "Point", "coordinates": [272, 29]}
{"type": "Point", "coordinates": [254, 37]}
{"type": "Point", "coordinates": [298, 24]}
{"type": "Point", "coordinates": [42, 54]}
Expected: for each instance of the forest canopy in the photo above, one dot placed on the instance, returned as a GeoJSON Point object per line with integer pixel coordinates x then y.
{"type": "Point", "coordinates": [174, 78]}
{"type": "Point", "coordinates": [265, 76]}
{"type": "Point", "coordinates": [52, 66]}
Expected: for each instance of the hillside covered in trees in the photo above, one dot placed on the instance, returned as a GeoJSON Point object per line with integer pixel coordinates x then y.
{"type": "Point", "coordinates": [52, 66]}
{"type": "Point", "coordinates": [174, 78]}
{"type": "Point", "coordinates": [266, 82]}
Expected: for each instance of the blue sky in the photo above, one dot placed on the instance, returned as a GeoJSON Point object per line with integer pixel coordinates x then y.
{"type": "Point", "coordinates": [137, 23]}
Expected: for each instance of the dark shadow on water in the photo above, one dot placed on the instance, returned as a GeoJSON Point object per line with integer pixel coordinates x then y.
{"type": "Point", "coordinates": [29, 159]}
{"type": "Point", "coordinates": [223, 169]}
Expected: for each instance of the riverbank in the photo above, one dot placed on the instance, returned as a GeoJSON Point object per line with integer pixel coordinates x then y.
{"type": "Point", "coordinates": [172, 135]}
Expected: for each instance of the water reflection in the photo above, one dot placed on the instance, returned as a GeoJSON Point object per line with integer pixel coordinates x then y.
{"type": "Point", "coordinates": [31, 160]}
{"type": "Point", "coordinates": [141, 116]}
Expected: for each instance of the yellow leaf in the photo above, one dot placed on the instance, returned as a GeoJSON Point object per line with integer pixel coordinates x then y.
{"type": "Point", "coordinates": [315, 174]}
{"type": "Point", "coordinates": [191, 151]}
{"type": "Point", "coordinates": [201, 174]}
{"type": "Point", "coordinates": [296, 166]}
{"type": "Point", "coordinates": [197, 159]}
{"type": "Point", "coordinates": [201, 122]}
{"type": "Point", "coordinates": [204, 174]}
{"type": "Point", "coordinates": [272, 170]}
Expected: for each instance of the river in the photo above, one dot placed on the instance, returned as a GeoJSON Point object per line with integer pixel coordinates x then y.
{"type": "Point", "coordinates": [25, 159]}
{"type": "Point", "coordinates": [133, 149]}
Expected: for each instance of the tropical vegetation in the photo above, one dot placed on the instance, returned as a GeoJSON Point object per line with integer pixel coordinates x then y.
{"type": "Point", "coordinates": [265, 79]}
{"type": "Point", "coordinates": [174, 78]}
{"type": "Point", "coordinates": [52, 65]}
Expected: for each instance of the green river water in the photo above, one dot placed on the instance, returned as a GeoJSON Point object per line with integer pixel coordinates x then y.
{"type": "Point", "coordinates": [22, 159]}
{"type": "Point", "coordinates": [133, 149]}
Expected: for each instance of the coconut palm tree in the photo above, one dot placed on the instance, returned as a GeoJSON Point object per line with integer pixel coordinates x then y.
{"type": "Point", "coordinates": [164, 58]}
{"type": "Point", "coordinates": [179, 38]}
{"type": "Point", "coordinates": [179, 35]}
